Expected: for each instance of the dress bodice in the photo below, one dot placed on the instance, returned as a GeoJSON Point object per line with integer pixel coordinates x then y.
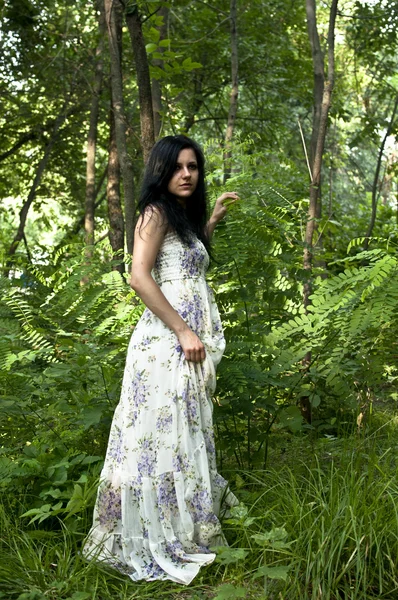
{"type": "Point", "coordinates": [176, 260]}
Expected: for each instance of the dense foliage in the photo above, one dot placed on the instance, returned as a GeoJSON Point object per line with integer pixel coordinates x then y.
{"type": "Point", "coordinates": [318, 491]}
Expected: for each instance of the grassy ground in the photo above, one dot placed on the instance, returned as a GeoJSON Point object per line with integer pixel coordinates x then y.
{"type": "Point", "coordinates": [320, 524]}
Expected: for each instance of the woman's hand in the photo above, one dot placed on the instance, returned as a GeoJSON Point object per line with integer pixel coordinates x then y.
{"type": "Point", "coordinates": [220, 210]}
{"type": "Point", "coordinates": [191, 345]}
{"type": "Point", "coordinates": [222, 204]}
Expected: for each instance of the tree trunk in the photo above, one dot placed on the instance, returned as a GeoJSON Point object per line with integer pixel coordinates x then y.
{"type": "Point", "coordinates": [115, 212]}
{"type": "Point", "coordinates": [156, 87]}
{"type": "Point", "coordinates": [19, 236]}
{"type": "Point", "coordinates": [317, 147]}
{"type": "Point", "coordinates": [157, 107]}
{"type": "Point", "coordinates": [318, 88]}
{"type": "Point", "coordinates": [79, 223]}
{"type": "Point", "coordinates": [143, 81]}
{"type": "Point", "coordinates": [375, 186]}
{"type": "Point", "coordinates": [316, 163]}
{"type": "Point", "coordinates": [92, 134]}
{"type": "Point", "coordinates": [113, 18]}
{"type": "Point", "coordinates": [318, 73]}
{"type": "Point", "coordinates": [197, 100]}
{"type": "Point", "coordinates": [233, 103]}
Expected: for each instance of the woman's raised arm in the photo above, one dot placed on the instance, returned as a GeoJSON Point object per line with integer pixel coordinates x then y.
{"type": "Point", "coordinates": [220, 210]}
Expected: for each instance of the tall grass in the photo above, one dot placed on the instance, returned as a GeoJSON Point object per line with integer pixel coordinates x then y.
{"type": "Point", "coordinates": [341, 515]}
{"type": "Point", "coordinates": [47, 565]}
{"type": "Point", "coordinates": [322, 528]}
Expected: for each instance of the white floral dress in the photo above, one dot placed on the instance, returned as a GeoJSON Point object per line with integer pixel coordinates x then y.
{"type": "Point", "coordinates": [160, 494]}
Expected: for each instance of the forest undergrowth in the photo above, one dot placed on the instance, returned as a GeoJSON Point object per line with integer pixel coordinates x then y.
{"type": "Point", "coordinates": [319, 499]}
{"type": "Point", "coordinates": [319, 522]}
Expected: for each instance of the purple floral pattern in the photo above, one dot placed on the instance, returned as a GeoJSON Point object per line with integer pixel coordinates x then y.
{"type": "Point", "coordinates": [190, 405]}
{"type": "Point", "coordinates": [166, 496]}
{"type": "Point", "coordinates": [202, 506]}
{"type": "Point", "coordinates": [115, 447]}
{"type": "Point", "coordinates": [164, 422]}
{"type": "Point", "coordinates": [109, 505]}
{"type": "Point", "coordinates": [146, 459]}
{"type": "Point", "coordinates": [194, 258]}
{"type": "Point", "coordinates": [138, 396]}
{"type": "Point", "coordinates": [191, 310]}
{"type": "Point", "coordinates": [160, 494]}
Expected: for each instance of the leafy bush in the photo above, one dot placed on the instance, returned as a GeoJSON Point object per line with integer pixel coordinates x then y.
{"type": "Point", "coordinates": [63, 347]}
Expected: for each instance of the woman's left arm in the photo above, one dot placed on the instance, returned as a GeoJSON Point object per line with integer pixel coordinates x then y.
{"type": "Point", "coordinates": [220, 210]}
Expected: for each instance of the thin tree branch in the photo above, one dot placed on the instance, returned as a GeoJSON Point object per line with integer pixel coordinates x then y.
{"type": "Point", "coordinates": [305, 149]}
{"type": "Point", "coordinates": [205, 36]}
{"type": "Point", "coordinates": [375, 195]}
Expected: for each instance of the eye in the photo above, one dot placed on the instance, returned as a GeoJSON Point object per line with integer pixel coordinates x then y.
{"type": "Point", "coordinates": [193, 166]}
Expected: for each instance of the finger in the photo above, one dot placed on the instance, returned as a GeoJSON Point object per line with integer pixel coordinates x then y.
{"type": "Point", "coordinates": [230, 202]}
{"type": "Point", "coordinates": [195, 355]}
{"type": "Point", "coordinates": [201, 352]}
{"type": "Point", "coordinates": [231, 197]}
{"type": "Point", "coordinates": [227, 196]}
{"type": "Point", "coordinates": [198, 356]}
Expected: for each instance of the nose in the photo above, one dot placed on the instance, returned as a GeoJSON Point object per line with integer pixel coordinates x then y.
{"type": "Point", "coordinates": [186, 172]}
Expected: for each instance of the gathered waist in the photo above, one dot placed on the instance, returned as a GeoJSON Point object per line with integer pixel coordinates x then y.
{"type": "Point", "coordinates": [176, 276]}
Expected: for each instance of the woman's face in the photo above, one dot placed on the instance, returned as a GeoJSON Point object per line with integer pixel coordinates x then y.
{"type": "Point", "coordinates": [186, 175]}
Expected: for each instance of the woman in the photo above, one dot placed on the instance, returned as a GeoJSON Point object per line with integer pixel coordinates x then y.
{"type": "Point", "coordinates": [160, 493]}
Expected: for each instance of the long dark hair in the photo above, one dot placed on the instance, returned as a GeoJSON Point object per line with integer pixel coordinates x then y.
{"type": "Point", "coordinates": [154, 193]}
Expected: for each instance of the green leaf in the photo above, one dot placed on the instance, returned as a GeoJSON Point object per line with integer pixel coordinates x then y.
{"type": "Point", "coordinates": [91, 416]}
{"type": "Point", "coordinates": [154, 34]}
{"type": "Point", "coordinates": [239, 512]}
{"type": "Point", "coordinates": [91, 459]}
{"type": "Point", "coordinates": [229, 556]}
{"type": "Point", "coordinates": [151, 47]}
{"type": "Point", "coordinates": [34, 511]}
{"type": "Point", "coordinates": [239, 481]}
{"type": "Point", "coordinates": [58, 371]}
{"type": "Point", "coordinates": [59, 475]}
{"type": "Point", "coordinates": [157, 72]}
{"type": "Point", "coordinates": [40, 534]}
{"type": "Point", "coordinates": [53, 492]}
{"type": "Point", "coordinates": [76, 503]}
{"type": "Point", "coordinates": [188, 65]}
{"type": "Point", "coordinates": [315, 400]}
{"type": "Point", "coordinates": [272, 572]}
{"type": "Point", "coordinates": [32, 595]}
{"type": "Point", "coordinates": [228, 590]}
{"type": "Point", "coordinates": [276, 535]}
{"type": "Point", "coordinates": [291, 417]}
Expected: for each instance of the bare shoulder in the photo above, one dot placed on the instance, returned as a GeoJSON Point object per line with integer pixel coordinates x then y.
{"type": "Point", "coordinates": [151, 224]}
